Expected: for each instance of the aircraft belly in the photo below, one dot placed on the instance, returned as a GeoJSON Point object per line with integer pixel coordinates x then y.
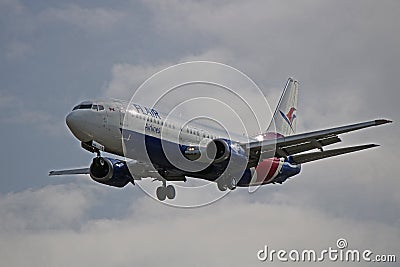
{"type": "Point", "coordinates": [144, 148]}
{"type": "Point", "coordinates": [147, 148]}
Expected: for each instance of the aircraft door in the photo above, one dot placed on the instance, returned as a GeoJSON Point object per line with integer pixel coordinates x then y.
{"type": "Point", "coordinates": [112, 117]}
{"type": "Point", "coordinates": [121, 117]}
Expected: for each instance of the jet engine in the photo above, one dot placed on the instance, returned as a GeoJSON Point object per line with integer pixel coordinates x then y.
{"type": "Point", "coordinates": [221, 152]}
{"type": "Point", "coordinates": [218, 150]}
{"type": "Point", "coordinates": [108, 171]}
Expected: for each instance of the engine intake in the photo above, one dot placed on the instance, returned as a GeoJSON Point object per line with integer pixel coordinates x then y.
{"type": "Point", "coordinates": [108, 171]}
{"type": "Point", "coordinates": [218, 150]}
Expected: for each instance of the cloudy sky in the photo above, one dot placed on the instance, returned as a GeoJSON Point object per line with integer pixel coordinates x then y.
{"type": "Point", "coordinates": [56, 53]}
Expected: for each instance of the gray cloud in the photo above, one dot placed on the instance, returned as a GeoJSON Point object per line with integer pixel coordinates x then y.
{"type": "Point", "coordinates": [88, 19]}
{"type": "Point", "coordinates": [345, 55]}
{"type": "Point", "coordinates": [237, 226]}
{"type": "Point", "coordinates": [51, 207]}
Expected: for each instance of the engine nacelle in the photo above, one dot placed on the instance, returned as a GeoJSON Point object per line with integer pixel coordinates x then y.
{"type": "Point", "coordinates": [108, 171]}
{"type": "Point", "coordinates": [218, 150]}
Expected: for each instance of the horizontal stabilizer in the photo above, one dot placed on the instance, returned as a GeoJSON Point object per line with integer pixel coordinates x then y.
{"type": "Point", "coordinates": [303, 158]}
{"type": "Point", "coordinates": [70, 172]}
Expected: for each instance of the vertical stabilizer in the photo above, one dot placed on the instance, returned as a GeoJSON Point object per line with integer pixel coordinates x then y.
{"type": "Point", "coordinates": [284, 120]}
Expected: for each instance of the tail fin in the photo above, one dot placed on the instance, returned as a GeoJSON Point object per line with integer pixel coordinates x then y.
{"type": "Point", "coordinates": [284, 120]}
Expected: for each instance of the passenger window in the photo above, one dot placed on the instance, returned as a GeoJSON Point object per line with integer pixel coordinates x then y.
{"type": "Point", "coordinates": [94, 107]}
{"type": "Point", "coordinates": [101, 107]}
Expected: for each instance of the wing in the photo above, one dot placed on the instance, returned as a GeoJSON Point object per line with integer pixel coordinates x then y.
{"type": "Point", "coordinates": [140, 170]}
{"type": "Point", "coordinates": [70, 172]}
{"type": "Point", "coordinates": [294, 144]}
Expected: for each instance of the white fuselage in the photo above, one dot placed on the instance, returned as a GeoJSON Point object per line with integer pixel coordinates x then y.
{"type": "Point", "coordinates": [146, 135]}
{"type": "Point", "coordinates": [105, 124]}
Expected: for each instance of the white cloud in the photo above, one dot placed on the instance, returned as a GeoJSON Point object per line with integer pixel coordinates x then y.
{"type": "Point", "coordinates": [229, 232]}
{"type": "Point", "coordinates": [126, 78]}
{"type": "Point", "coordinates": [47, 208]}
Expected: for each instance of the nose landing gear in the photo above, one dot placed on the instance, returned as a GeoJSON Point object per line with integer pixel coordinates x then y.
{"type": "Point", "coordinates": [93, 146]}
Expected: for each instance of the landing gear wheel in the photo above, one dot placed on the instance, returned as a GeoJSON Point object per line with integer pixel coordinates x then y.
{"type": "Point", "coordinates": [222, 185]}
{"type": "Point", "coordinates": [161, 193]}
{"type": "Point", "coordinates": [170, 192]}
{"type": "Point", "coordinates": [232, 184]}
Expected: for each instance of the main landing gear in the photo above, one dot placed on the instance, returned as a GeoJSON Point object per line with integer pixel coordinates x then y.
{"type": "Point", "coordinates": [224, 183]}
{"type": "Point", "coordinates": [165, 191]}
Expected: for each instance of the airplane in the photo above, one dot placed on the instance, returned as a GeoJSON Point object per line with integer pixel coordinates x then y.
{"type": "Point", "coordinates": [152, 143]}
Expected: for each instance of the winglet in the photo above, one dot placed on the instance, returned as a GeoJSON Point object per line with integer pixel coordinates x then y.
{"type": "Point", "coordinates": [382, 121]}
{"type": "Point", "coordinates": [371, 146]}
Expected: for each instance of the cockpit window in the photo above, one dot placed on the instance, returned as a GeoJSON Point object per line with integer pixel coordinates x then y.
{"type": "Point", "coordinates": [89, 106]}
{"type": "Point", "coordinates": [83, 106]}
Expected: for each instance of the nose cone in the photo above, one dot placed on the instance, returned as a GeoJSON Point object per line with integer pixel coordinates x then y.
{"type": "Point", "coordinates": [76, 124]}
{"type": "Point", "coordinates": [71, 123]}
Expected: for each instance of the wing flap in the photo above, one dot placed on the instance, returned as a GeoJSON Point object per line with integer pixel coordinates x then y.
{"type": "Point", "coordinates": [303, 158]}
{"type": "Point", "coordinates": [313, 144]}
